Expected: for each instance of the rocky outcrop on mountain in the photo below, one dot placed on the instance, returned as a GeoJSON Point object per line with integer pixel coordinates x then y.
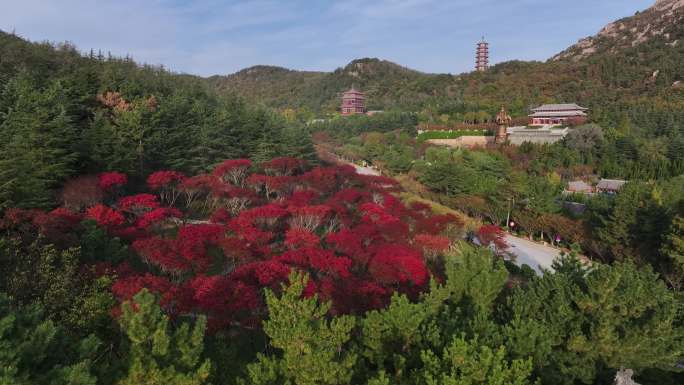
{"type": "Point", "coordinates": [634, 63]}
{"type": "Point", "coordinates": [663, 21]}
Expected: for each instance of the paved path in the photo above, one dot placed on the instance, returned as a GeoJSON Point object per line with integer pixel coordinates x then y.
{"type": "Point", "coordinates": [526, 252]}
{"type": "Point", "coordinates": [530, 253]}
{"type": "Point", "coordinates": [365, 170]}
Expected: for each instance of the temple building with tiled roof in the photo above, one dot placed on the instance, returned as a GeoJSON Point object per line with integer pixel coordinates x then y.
{"type": "Point", "coordinates": [610, 186]}
{"type": "Point", "coordinates": [558, 114]}
{"type": "Point", "coordinates": [579, 187]}
{"type": "Point", "coordinates": [353, 102]}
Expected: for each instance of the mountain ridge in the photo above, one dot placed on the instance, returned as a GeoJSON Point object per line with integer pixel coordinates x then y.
{"type": "Point", "coordinates": [659, 21]}
{"type": "Point", "coordinates": [594, 71]}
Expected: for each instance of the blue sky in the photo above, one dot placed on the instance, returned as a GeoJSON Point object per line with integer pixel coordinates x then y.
{"type": "Point", "coordinates": [220, 37]}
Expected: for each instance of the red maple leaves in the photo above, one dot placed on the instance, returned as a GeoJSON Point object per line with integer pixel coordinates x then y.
{"type": "Point", "coordinates": [105, 216]}
{"type": "Point", "coordinates": [167, 183]}
{"type": "Point", "coordinates": [210, 243]}
{"type": "Point", "coordinates": [233, 171]}
{"type": "Point", "coordinates": [138, 203]}
{"type": "Point", "coordinates": [111, 180]}
{"type": "Point", "coordinates": [492, 235]}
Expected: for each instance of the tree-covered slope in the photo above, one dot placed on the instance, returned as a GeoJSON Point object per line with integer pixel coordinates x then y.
{"type": "Point", "coordinates": [387, 85]}
{"type": "Point", "coordinates": [277, 84]}
{"type": "Point", "coordinates": [639, 83]}
{"type": "Point", "coordinates": [64, 114]}
{"type": "Point", "coordinates": [659, 21]}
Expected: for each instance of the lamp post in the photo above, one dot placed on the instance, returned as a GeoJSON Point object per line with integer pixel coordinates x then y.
{"type": "Point", "coordinates": [509, 223]}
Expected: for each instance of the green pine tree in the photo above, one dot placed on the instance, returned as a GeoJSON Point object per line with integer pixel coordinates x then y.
{"type": "Point", "coordinates": [53, 278]}
{"type": "Point", "coordinates": [673, 250]}
{"type": "Point", "coordinates": [37, 148]}
{"type": "Point", "coordinates": [393, 339]}
{"type": "Point", "coordinates": [296, 143]}
{"type": "Point", "coordinates": [37, 351]}
{"type": "Point", "coordinates": [160, 354]}
{"type": "Point", "coordinates": [310, 348]}
{"type": "Point", "coordinates": [469, 362]}
{"type": "Point", "coordinates": [580, 324]}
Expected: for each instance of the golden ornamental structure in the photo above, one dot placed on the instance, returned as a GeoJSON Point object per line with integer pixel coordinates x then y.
{"type": "Point", "coordinates": [503, 120]}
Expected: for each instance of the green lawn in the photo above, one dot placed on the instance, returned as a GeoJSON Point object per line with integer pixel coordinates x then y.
{"type": "Point", "coordinates": [451, 134]}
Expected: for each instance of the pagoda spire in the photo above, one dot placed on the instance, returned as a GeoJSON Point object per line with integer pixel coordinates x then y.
{"type": "Point", "coordinates": [482, 55]}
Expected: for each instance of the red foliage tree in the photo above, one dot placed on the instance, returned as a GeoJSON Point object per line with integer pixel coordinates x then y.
{"type": "Point", "coordinates": [167, 183]}
{"type": "Point", "coordinates": [283, 166]}
{"type": "Point", "coordinates": [105, 216]}
{"type": "Point", "coordinates": [432, 245]}
{"type": "Point", "coordinates": [193, 242]}
{"type": "Point", "coordinates": [58, 226]}
{"type": "Point", "coordinates": [492, 235]}
{"type": "Point", "coordinates": [170, 295]}
{"type": "Point", "coordinates": [233, 171]}
{"type": "Point", "coordinates": [273, 186]}
{"type": "Point", "coordinates": [138, 204]}
{"type": "Point", "coordinates": [233, 199]}
{"type": "Point", "coordinates": [308, 217]}
{"type": "Point", "coordinates": [437, 224]}
{"type": "Point", "coordinates": [162, 253]}
{"type": "Point", "coordinates": [303, 197]}
{"type": "Point", "coordinates": [396, 264]}
{"type": "Point", "coordinates": [356, 239]}
{"type": "Point", "coordinates": [222, 298]}
{"type": "Point", "coordinates": [221, 215]}
{"type": "Point", "coordinates": [110, 181]}
{"type": "Point", "coordinates": [299, 238]}
{"type": "Point", "coordinates": [197, 186]}
{"type": "Point", "coordinates": [157, 216]}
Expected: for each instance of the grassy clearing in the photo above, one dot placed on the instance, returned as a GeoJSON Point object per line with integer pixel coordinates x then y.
{"type": "Point", "coordinates": [439, 209]}
{"type": "Point", "coordinates": [451, 134]}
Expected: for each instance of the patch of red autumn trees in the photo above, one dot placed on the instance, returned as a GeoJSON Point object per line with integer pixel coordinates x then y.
{"type": "Point", "coordinates": [210, 243]}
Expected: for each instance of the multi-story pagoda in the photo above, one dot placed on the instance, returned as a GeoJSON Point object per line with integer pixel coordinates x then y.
{"type": "Point", "coordinates": [558, 114]}
{"type": "Point", "coordinates": [482, 56]}
{"type": "Point", "coordinates": [353, 102]}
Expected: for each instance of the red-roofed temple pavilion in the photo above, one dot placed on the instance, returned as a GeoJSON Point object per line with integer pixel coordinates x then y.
{"type": "Point", "coordinates": [553, 114]}
{"type": "Point", "coordinates": [353, 102]}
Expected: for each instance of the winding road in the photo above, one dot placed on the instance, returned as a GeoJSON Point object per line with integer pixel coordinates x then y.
{"type": "Point", "coordinates": [365, 170]}
{"type": "Point", "coordinates": [530, 253]}
{"type": "Point", "coordinates": [526, 252]}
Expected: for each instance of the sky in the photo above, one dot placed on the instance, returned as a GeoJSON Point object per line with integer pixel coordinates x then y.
{"type": "Point", "coordinates": [221, 37]}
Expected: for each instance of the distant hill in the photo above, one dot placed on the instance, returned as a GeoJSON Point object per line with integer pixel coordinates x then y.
{"type": "Point", "coordinates": [631, 70]}
{"type": "Point", "coordinates": [277, 84]}
{"type": "Point", "coordinates": [385, 82]}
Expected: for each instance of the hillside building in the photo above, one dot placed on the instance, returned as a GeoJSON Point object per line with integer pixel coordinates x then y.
{"type": "Point", "coordinates": [604, 186]}
{"type": "Point", "coordinates": [482, 56]}
{"type": "Point", "coordinates": [558, 114]}
{"type": "Point", "coordinates": [353, 102]}
{"type": "Point", "coordinates": [610, 186]}
{"type": "Point", "coordinates": [522, 134]}
{"type": "Point", "coordinates": [579, 187]}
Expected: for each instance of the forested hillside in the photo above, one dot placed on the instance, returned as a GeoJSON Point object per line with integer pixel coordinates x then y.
{"type": "Point", "coordinates": [389, 85]}
{"type": "Point", "coordinates": [659, 21]}
{"type": "Point", "coordinates": [283, 273]}
{"type": "Point", "coordinates": [160, 228]}
{"type": "Point", "coordinates": [64, 114]}
{"type": "Point", "coordinates": [638, 84]}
